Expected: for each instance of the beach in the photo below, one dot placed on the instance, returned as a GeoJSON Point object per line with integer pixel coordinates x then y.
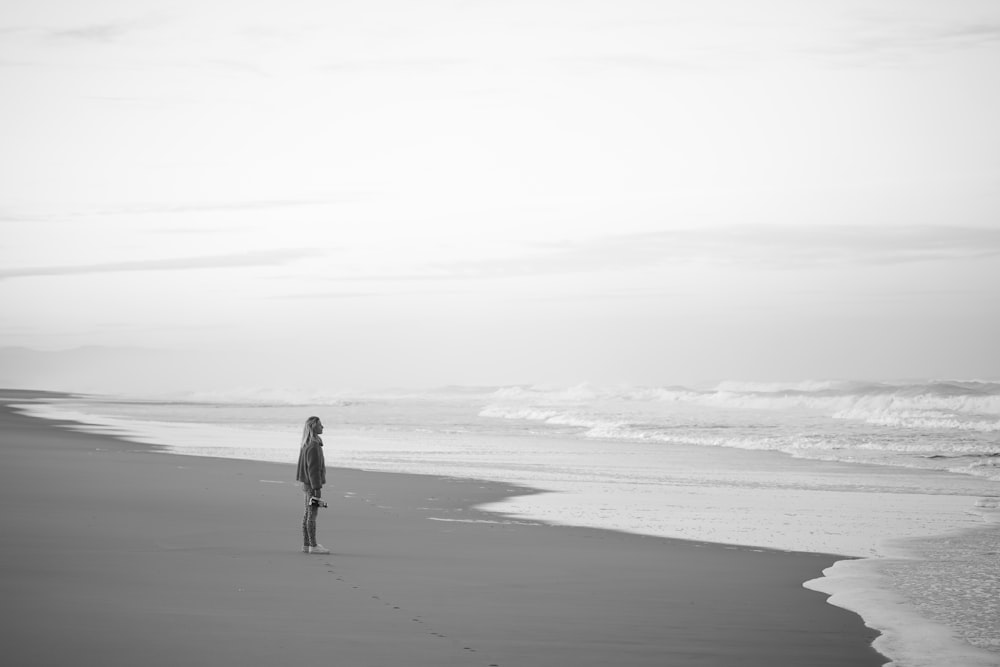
{"type": "Point", "coordinates": [120, 553]}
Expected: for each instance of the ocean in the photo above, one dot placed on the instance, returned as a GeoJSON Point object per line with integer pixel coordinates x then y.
{"type": "Point", "coordinates": [902, 477]}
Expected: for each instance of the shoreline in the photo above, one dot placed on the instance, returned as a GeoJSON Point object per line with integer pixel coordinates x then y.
{"type": "Point", "coordinates": [523, 592]}
{"type": "Point", "coordinates": [497, 505]}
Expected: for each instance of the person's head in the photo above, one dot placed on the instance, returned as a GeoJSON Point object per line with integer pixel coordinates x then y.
{"type": "Point", "coordinates": [313, 428]}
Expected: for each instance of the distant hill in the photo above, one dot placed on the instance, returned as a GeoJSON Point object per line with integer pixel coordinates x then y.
{"type": "Point", "coordinates": [88, 369]}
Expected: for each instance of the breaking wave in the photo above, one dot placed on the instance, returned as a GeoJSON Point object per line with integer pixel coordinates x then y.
{"type": "Point", "coordinates": [964, 405]}
{"type": "Point", "coordinates": [949, 425]}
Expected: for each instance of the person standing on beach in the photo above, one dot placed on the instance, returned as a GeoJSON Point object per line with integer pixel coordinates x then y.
{"type": "Point", "coordinates": [312, 473]}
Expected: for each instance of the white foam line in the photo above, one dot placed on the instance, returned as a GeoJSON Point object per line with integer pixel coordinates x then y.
{"type": "Point", "coordinates": [505, 523]}
{"type": "Point", "coordinates": [911, 639]}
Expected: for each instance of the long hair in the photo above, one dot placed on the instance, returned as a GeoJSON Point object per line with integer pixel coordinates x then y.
{"type": "Point", "coordinates": [309, 431]}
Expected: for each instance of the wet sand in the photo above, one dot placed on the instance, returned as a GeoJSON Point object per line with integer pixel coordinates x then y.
{"type": "Point", "coordinates": [117, 553]}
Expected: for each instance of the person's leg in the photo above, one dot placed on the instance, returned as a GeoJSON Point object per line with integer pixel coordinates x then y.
{"type": "Point", "coordinates": [309, 521]}
{"type": "Point", "coordinates": [311, 513]}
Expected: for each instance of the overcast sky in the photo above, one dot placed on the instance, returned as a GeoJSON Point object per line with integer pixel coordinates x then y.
{"type": "Point", "coordinates": [418, 193]}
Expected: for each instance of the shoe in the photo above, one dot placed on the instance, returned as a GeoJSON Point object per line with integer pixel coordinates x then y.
{"type": "Point", "coordinates": [305, 549]}
{"type": "Point", "coordinates": [319, 549]}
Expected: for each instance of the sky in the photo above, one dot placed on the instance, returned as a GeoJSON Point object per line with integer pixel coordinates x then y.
{"type": "Point", "coordinates": [359, 194]}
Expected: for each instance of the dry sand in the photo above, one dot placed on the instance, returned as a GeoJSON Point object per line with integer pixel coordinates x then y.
{"type": "Point", "coordinates": [114, 553]}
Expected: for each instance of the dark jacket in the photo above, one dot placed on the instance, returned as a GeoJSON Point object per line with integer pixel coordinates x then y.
{"type": "Point", "coordinates": [312, 464]}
